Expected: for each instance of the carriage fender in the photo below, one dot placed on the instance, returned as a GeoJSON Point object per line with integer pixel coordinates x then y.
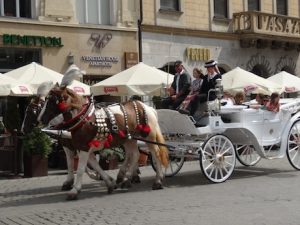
{"type": "Point", "coordinates": [285, 133]}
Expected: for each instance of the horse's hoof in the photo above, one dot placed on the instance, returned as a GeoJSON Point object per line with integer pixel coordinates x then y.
{"type": "Point", "coordinates": [157, 186]}
{"type": "Point", "coordinates": [136, 180]}
{"type": "Point", "coordinates": [72, 196]}
{"type": "Point", "coordinates": [126, 184]}
{"type": "Point", "coordinates": [67, 187]}
{"type": "Point", "coordinates": [110, 189]}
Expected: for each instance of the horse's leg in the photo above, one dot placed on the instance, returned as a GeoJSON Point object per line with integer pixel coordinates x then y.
{"type": "Point", "coordinates": [83, 159]}
{"type": "Point", "coordinates": [159, 173]}
{"type": "Point", "coordinates": [68, 184]}
{"type": "Point", "coordinates": [124, 166]}
{"type": "Point", "coordinates": [131, 145]}
{"type": "Point", "coordinates": [92, 173]}
{"type": "Point", "coordinates": [109, 181]}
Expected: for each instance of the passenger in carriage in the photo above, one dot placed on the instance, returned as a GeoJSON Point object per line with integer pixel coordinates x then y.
{"type": "Point", "coordinates": [260, 102]}
{"type": "Point", "coordinates": [228, 99]}
{"type": "Point", "coordinates": [209, 82]}
{"type": "Point", "coordinates": [194, 90]}
{"type": "Point", "coordinates": [239, 98]}
{"type": "Point", "coordinates": [273, 104]}
{"type": "Point", "coordinates": [179, 89]}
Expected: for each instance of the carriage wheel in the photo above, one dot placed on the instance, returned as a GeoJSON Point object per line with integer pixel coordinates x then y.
{"type": "Point", "coordinates": [247, 155]}
{"type": "Point", "coordinates": [217, 159]}
{"type": "Point", "coordinates": [174, 166]}
{"type": "Point", "coordinates": [293, 147]}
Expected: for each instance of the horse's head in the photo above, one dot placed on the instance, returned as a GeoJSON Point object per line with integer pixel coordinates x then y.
{"type": "Point", "coordinates": [31, 114]}
{"type": "Point", "coordinates": [59, 101]}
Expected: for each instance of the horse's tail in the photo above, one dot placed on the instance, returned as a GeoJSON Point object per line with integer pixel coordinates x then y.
{"type": "Point", "coordinates": [163, 153]}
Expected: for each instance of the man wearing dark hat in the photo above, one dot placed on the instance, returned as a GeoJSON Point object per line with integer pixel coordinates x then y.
{"type": "Point", "coordinates": [179, 88]}
{"type": "Point", "coordinates": [209, 82]}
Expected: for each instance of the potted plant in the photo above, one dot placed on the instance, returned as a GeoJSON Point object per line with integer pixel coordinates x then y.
{"type": "Point", "coordinates": [36, 146]}
{"type": "Point", "coordinates": [110, 158]}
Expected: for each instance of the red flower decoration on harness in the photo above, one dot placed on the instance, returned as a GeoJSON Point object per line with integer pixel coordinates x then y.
{"type": "Point", "coordinates": [139, 127]}
{"type": "Point", "coordinates": [94, 143]}
{"type": "Point", "coordinates": [110, 138]}
{"type": "Point", "coordinates": [146, 129]}
{"type": "Point", "coordinates": [106, 144]}
{"type": "Point", "coordinates": [121, 134]}
{"type": "Point", "coordinates": [62, 106]}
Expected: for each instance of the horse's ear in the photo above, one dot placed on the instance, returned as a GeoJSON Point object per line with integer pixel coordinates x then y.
{"type": "Point", "coordinates": [72, 73]}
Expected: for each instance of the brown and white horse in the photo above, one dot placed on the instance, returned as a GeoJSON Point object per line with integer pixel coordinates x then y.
{"type": "Point", "coordinates": [93, 129]}
{"type": "Point", "coordinates": [30, 121]}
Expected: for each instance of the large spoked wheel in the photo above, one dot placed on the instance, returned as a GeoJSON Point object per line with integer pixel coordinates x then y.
{"type": "Point", "coordinates": [293, 147]}
{"type": "Point", "coordinates": [217, 159]}
{"type": "Point", "coordinates": [247, 155]}
{"type": "Point", "coordinates": [174, 166]}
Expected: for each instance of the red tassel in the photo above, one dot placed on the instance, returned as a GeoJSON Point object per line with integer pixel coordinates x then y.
{"type": "Point", "coordinates": [106, 144]}
{"type": "Point", "coordinates": [122, 134]}
{"type": "Point", "coordinates": [139, 127]}
{"type": "Point", "coordinates": [94, 143]}
{"type": "Point", "coordinates": [62, 106]}
{"type": "Point", "coordinates": [146, 129]}
{"type": "Point", "coordinates": [109, 138]}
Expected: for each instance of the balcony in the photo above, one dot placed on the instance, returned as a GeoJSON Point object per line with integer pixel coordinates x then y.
{"type": "Point", "coordinates": [261, 30]}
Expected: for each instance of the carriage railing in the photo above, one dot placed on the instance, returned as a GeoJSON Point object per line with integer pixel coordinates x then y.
{"type": "Point", "coordinates": [291, 107]}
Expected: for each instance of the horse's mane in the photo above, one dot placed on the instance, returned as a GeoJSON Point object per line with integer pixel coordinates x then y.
{"type": "Point", "coordinates": [76, 98]}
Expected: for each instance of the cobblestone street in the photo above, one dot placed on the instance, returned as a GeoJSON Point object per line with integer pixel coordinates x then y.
{"type": "Point", "coordinates": [265, 194]}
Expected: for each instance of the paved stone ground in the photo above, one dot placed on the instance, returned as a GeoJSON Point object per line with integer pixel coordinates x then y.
{"type": "Point", "coordinates": [265, 194]}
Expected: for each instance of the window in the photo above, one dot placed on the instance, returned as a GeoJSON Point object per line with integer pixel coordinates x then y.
{"type": "Point", "coordinates": [253, 5]}
{"type": "Point", "coordinates": [93, 11]}
{"type": "Point", "coordinates": [221, 8]}
{"type": "Point", "coordinates": [282, 7]}
{"type": "Point", "coordinates": [16, 8]}
{"type": "Point", "coordinates": [172, 5]}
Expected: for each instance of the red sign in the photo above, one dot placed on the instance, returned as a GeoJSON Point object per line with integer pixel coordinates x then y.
{"type": "Point", "coordinates": [23, 89]}
{"type": "Point", "coordinates": [290, 89]}
{"type": "Point", "coordinates": [110, 89]}
{"type": "Point", "coordinates": [79, 90]}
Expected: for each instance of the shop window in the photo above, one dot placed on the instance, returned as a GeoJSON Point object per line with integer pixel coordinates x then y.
{"type": "Point", "coordinates": [253, 5]}
{"type": "Point", "coordinates": [12, 58]}
{"type": "Point", "coordinates": [281, 6]}
{"type": "Point", "coordinates": [172, 5]}
{"type": "Point", "coordinates": [221, 8]}
{"type": "Point", "coordinates": [93, 11]}
{"type": "Point", "coordinates": [16, 8]}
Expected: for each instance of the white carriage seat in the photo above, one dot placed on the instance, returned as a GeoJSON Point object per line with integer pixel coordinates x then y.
{"type": "Point", "coordinates": [173, 122]}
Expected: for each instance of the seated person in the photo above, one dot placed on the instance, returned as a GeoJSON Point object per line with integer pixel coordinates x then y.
{"type": "Point", "coordinates": [180, 88]}
{"type": "Point", "coordinates": [260, 102]}
{"type": "Point", "coordinates": [209, 82]}
{"type": "Point", "coordinates": [228, 99]}
{"type": "Point", "coordinates": [239, 98]}
{"type": "Point", "coordinates": [273, 105]}
{"type": "Point", "coordinates": [195, 88]}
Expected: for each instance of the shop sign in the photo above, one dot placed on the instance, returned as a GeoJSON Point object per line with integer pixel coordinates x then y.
{"type": "Point", "coordinates": [101, 61]}
{"type": "Point", "coordinates": [108, 90]}
{"type": "Point", "coordinates": [28, 40]}
{"type": "Point", "coordinates": [198, 54]}
{"type": "Point", "coordinates": [100, 41]}
{"type": "Point", "coordinates": [131, 59]}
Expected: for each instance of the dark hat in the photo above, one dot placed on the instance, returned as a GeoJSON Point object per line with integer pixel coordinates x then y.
{"type": "Point", "coordinates": [178, 62]}
{"type": "Point", "coordinates": [210, 63]}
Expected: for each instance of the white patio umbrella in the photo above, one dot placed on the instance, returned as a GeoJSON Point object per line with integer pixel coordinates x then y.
{"type": "Point", "coordinates": [10, 86]}
{"type": "Point", "coordinates": [289, 82]}
{"type": "Point", "coordinates": [35, 74]}
{"type": "Point", "coordinates": [140, 79]}
{"type": "Point", "coordinates": [242, 80]}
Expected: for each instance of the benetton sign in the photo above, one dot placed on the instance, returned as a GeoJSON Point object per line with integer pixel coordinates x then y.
{"type": "Point", "coordinates": [27, 40]}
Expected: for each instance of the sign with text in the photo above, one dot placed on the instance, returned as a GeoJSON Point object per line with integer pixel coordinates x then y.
{"type": "Point", "coordinates": [131, 59]}
{"type": "Point", "coordinates": [198, 54]}
{"type": "Point", "coordinates": [29, 40]}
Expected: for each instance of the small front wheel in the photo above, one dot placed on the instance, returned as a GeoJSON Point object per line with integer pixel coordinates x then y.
{"type": "Point", "coordinates": [293, 146]}
{"type": "Point", "coordinates": [217, 158]}
{"type": "Point", "coordinates": [247, 155]}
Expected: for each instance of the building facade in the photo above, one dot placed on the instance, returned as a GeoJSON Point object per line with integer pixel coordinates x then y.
{"type": "Point", "coordinates": [261, 36]}
{"type": "Point", "coordinates": [97, 35]}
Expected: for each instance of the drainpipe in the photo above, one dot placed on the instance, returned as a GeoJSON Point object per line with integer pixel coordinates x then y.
{"type": "Point", "coordinates": [139, 23]}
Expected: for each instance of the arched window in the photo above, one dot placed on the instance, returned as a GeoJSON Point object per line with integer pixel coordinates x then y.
{"type": "Point", "coordinates": [260, 70]}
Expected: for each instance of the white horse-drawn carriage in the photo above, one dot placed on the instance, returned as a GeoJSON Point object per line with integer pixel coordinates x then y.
{"type": "Point", "coordinates": [227, 133]}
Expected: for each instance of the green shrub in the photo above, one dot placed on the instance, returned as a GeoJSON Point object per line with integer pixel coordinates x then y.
{"type": "Point", "coordinates": [37, 143]}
